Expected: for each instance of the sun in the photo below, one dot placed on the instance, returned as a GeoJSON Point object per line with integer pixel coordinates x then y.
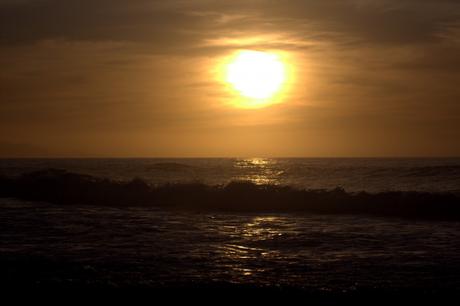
{"type": "Point", "coordinates": [256, 75]}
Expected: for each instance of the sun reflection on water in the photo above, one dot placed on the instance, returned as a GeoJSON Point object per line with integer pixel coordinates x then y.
{"type": "Point", "coordinates": [261, 228]}
{"type": "Point", "coordinates": [259, 171]}
{"type": "Point", "coordinates": [249, 247]}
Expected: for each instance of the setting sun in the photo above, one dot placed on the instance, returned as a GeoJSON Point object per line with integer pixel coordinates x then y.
{"type": "Point", "coordinates": [256, 75]}
{"type": "Point", "coordinates": [261, 147]}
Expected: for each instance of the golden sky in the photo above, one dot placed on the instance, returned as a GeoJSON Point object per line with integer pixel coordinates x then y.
{"type": "Point", "coordinates": [116, 78]}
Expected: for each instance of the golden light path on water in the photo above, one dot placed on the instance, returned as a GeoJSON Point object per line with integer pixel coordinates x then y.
{"type": "Point", "coordinates": [258, 229]}
{"type": "Point", "coordinates": [259, 171]}
{"type": "Point", "coordinates": [249, 241]}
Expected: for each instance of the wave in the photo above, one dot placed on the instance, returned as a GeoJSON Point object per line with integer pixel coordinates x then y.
{"type": "Point", "coordinates": [447, 170]}
{"type": "Point", "coordinates": [170, 166]}
{"type": "Point", "coordinates": [66, 188]}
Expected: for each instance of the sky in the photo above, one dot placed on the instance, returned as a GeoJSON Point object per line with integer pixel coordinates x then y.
{"type": "Point", "coordinates": [142, 78]}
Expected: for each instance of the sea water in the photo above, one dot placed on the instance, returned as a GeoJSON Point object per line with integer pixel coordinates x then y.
{"type": "Point", "coordinates": [44, 244]}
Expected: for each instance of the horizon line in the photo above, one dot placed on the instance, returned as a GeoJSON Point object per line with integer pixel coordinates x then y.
{"type": "Point", "coordinates": [232, 157]}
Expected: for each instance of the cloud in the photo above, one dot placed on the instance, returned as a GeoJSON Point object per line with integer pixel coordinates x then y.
{"type": "Point", "coordinates": [185, 24]}
{"type": "Point", "coordinates": [99, 20]}
{"type": "Point", "coordinates": [83, 67]}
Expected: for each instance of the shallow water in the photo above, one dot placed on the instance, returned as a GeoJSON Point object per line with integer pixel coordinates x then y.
{"type": "Point", "coordinates": [47, 244]}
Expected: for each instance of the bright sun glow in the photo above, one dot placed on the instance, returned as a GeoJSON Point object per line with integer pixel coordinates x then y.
{"type": "Point", "coordinates": [256, 75]}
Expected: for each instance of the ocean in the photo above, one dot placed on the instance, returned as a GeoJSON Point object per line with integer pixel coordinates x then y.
{"type": "Point", "coordinates": [91, 244]}
{"type": "Point", "coordinates": [352, 174]}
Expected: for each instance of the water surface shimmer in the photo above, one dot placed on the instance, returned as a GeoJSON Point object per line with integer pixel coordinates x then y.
{"type": "Point", "coordinates": [43, 244]}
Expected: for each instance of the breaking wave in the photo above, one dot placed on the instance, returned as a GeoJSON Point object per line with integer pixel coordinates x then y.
{"type": "Point", "coordinates": [170, 166]}
{"type": "Point", "coordinates": [66, 188]}
{"type": "Point", "coordinates": [448, 170]}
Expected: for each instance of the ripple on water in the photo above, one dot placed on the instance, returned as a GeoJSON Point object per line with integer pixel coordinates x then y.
{"type": "Point", "coordinates": [270, 249]}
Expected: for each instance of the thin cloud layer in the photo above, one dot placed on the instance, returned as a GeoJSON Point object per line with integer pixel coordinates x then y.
{"type": "Point", "coordinates": [189, 23]}
{"type": "Point", "coordinates": [131, 72]}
